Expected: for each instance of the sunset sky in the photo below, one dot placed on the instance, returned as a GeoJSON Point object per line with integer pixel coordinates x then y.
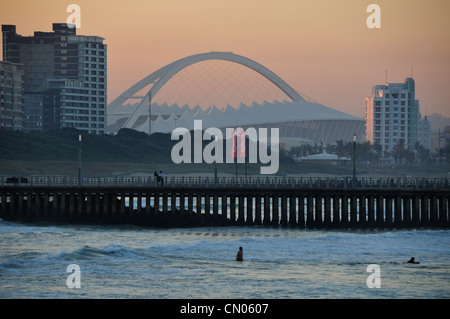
{"type": "Point", "coordinates": [322, 48]}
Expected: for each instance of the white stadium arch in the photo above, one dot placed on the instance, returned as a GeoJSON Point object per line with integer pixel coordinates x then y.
{"type": "Point", "coordinates": [297, 119]}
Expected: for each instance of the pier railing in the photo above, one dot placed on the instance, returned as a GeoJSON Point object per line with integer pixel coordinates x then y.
{"type": "Point", "coordinates": [226, 182]}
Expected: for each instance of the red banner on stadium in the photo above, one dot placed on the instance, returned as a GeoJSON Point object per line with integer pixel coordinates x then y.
{"type": "Point", "coordinates": [242, 144]}
{"type": "Point", "coordinates": [242, 150]}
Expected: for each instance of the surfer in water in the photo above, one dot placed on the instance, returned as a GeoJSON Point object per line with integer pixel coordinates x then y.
{"type": "Point", "coordinates": [239, 255]}
{"type": "Point", "coordinates": [412, 261]}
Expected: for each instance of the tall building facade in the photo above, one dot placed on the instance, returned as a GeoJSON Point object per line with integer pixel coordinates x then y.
{"type": "Point", "coordinates": [425, 133]}
{"type": "Point", "coordinates": [11, 96]}
{"type": "Point", "coordinates": [65, 77]}
{"type": "Point", "coordinates": [392, 113]}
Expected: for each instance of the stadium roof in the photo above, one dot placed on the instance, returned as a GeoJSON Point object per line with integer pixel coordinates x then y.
{"type": "Point", "coordinates": [166, 118]}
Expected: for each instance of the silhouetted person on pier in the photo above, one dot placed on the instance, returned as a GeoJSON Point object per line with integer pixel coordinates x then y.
{"type": "Point", "coordinates": [161, 178]}
{"type": "Point", "coordinates": [412, 261]}
{"type": "Point", "coordinates": [240, 256]}
{"type": "Point", "coordinates": [157, 178]}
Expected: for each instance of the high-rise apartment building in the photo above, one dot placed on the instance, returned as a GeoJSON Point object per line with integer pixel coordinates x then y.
{"type": "Point", "coordinates": [65, 77]}
{"type": "Point", "coordinates": [425, 133]}
{"type": "Point", "coordinates": [11, 96]}
{"type": "Point", "coordinates": [392, 113]}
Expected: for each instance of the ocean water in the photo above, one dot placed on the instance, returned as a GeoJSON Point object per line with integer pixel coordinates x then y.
{"type": "Point", "coordinates": [197, 263]}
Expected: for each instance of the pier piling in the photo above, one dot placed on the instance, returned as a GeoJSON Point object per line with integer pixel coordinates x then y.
{"type": "Point", "coordinates": [214, 206]}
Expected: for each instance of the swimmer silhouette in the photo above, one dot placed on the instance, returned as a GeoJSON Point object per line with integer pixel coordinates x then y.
{"type": "Point", "coordinates": [239, 256]}
{"type": "Point", "coordinates": [412, 261]}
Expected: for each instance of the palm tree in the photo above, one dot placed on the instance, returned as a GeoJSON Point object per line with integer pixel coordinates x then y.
{"type": "Point", "coordinates": [421, 152]}
{"type": "Point", "coordinates": [340, 149]}
{"type": "Point", "coordinates": [398, 151]}
{"type": "Point", "coordinates": [378, 149]}
{"type": "Point", "coordinates": [365, 151]}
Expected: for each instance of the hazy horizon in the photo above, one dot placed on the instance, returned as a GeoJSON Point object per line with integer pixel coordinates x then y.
{"type": "Point", "coordinates": [323, 49]}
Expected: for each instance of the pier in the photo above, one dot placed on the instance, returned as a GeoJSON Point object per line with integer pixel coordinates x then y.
{"type": "Point", "coordinates": [281, 205]}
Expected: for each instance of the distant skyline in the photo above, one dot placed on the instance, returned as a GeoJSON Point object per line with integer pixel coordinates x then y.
{"type": "Point", "coordinates": [323, 49]}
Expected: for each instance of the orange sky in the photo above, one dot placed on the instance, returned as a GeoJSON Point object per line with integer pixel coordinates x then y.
{"type": "Point", "coordinates": [322, 48]}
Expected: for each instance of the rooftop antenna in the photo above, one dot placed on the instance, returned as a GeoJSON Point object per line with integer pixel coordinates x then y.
{"type": "Point", "coordinates": [385, 77]}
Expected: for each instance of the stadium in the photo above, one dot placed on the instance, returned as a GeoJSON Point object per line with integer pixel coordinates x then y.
{"type": "Point", "coordinates": [226, 90]}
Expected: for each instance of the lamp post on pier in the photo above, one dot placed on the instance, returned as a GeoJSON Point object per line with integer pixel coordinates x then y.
{"type": "Point", "coordinates": [216, 138]}
{"type": "Point", "coordinates": [79, 160]}
{"type": "Point", "coordinates": [354, 160]}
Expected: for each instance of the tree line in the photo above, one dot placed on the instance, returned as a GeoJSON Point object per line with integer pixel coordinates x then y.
{"type": "Point", "coordinates": [373, 154]}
